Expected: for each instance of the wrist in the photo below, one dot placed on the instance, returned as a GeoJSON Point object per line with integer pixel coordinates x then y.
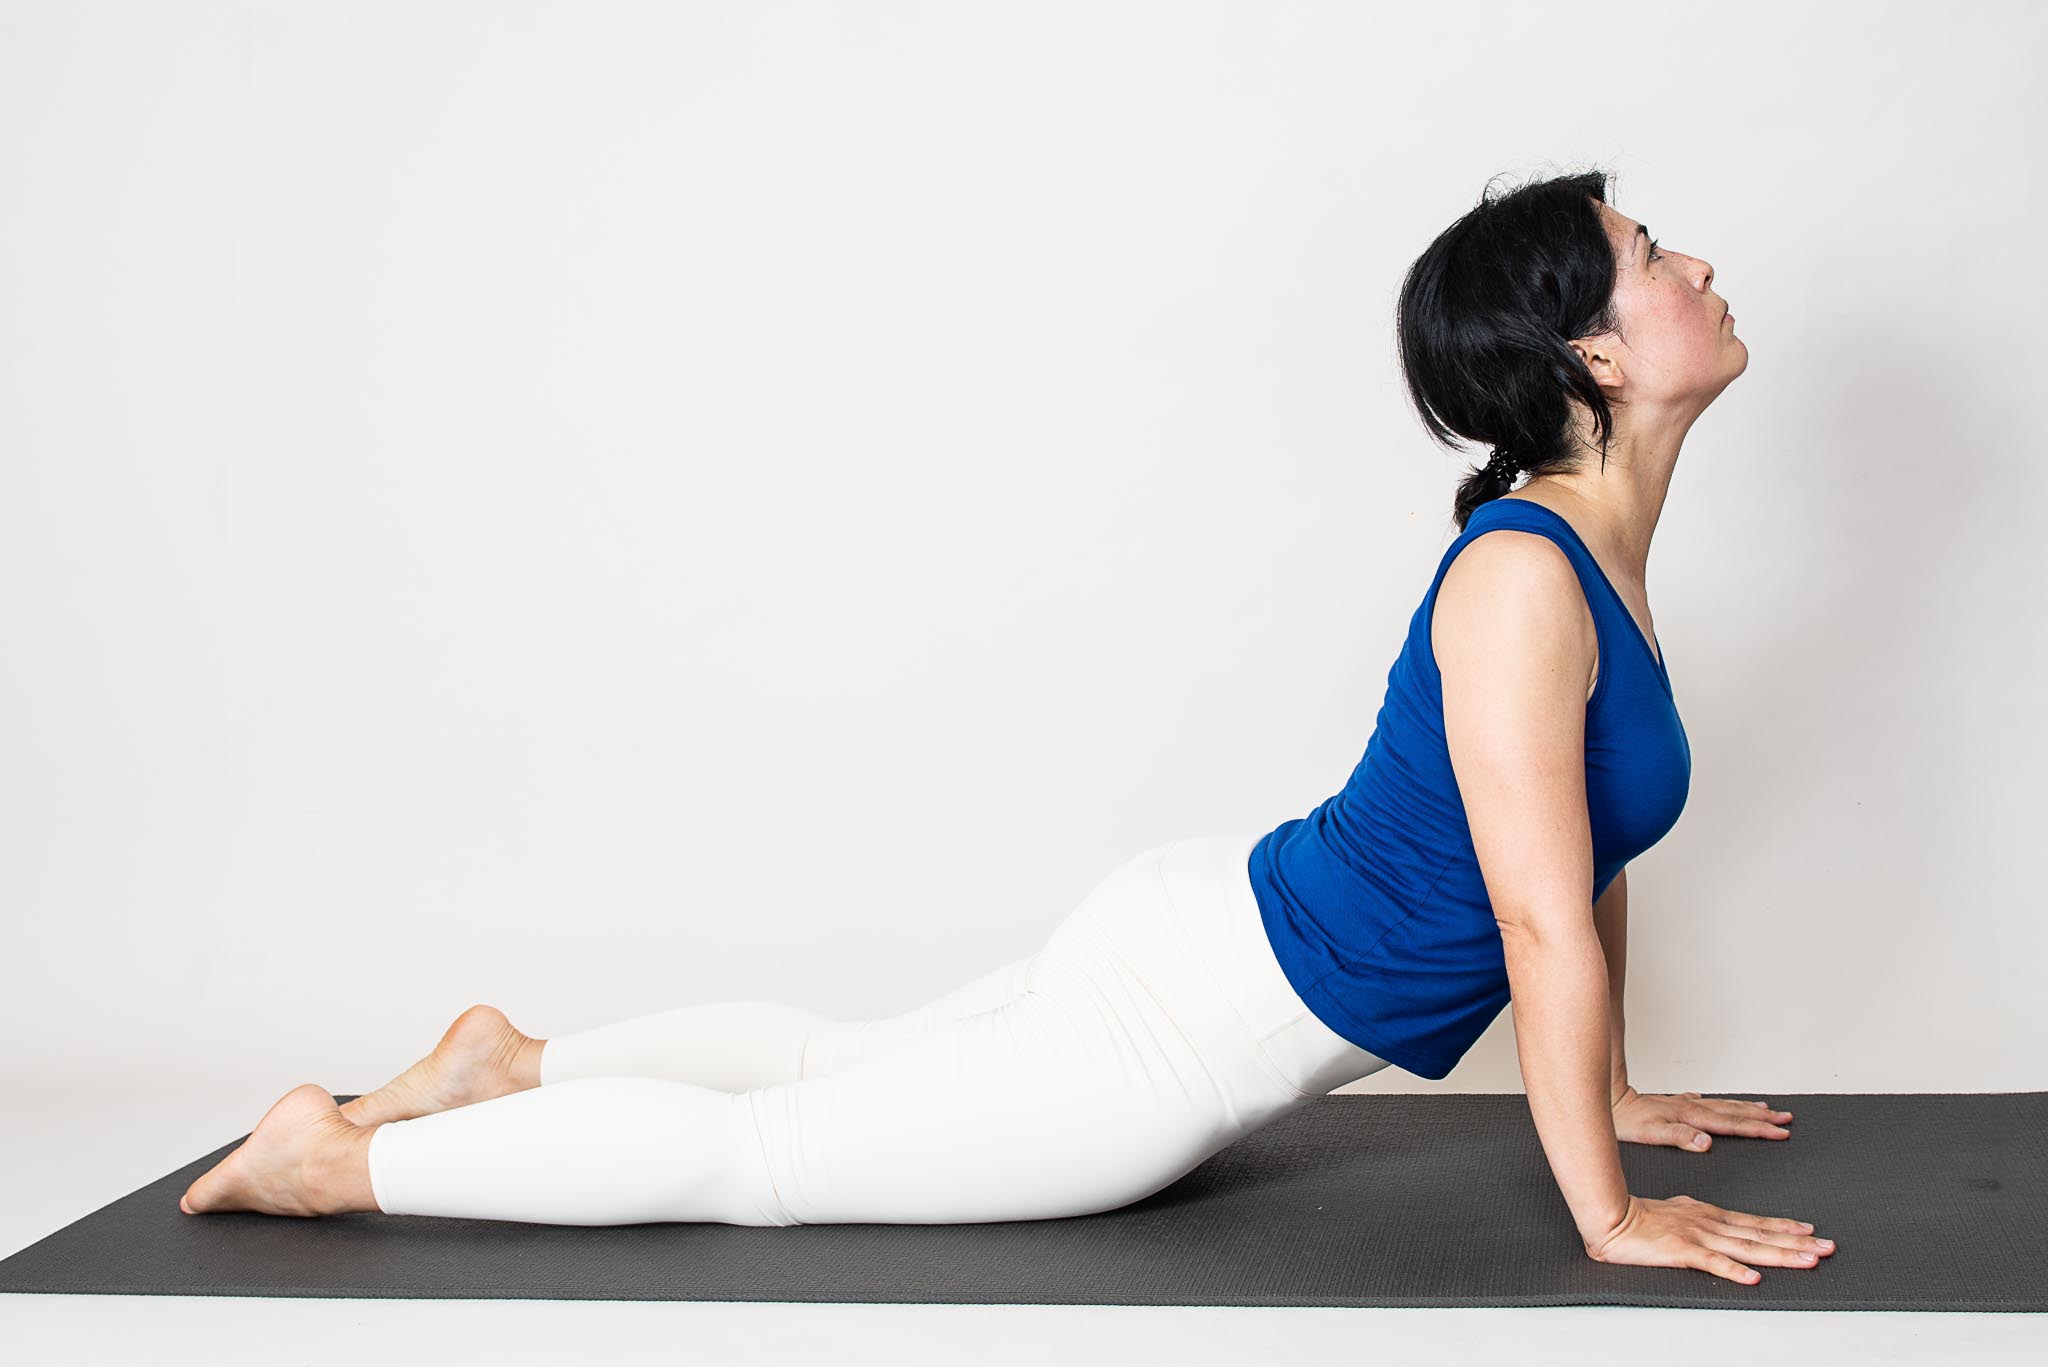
{"type": "Point", "coordinates": [1599, 1232]}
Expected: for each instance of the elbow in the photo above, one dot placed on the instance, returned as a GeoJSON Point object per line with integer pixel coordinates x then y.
{"type": "Point", "coordinates": [1545, 935]}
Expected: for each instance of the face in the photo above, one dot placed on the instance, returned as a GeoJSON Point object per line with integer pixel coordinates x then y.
{"type": "Point", "coordinates": [1674, 347]}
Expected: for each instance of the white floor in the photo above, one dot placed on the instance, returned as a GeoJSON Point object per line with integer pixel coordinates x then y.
{"type": "Point", "coordinates": [66, 1154]}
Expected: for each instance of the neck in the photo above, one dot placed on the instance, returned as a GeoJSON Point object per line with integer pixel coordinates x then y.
{"type": "Point", "coordinates": [1617, 507]}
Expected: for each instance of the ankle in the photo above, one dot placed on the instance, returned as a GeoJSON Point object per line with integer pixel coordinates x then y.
{"type": "Point", "coordinates": [526, 1064]}
{"type": "Point", "coordinates": [341, 1177]}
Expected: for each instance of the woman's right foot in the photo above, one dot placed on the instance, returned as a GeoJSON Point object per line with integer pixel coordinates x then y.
{"type": "Point", "coordinates": [480, 1057]}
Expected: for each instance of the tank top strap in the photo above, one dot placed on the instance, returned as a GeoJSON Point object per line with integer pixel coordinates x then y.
{"type": "Point", "coordinates": [1524, 515]}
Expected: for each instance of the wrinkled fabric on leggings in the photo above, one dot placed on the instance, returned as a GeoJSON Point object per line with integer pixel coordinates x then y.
{"type": "Point", "coordinates": [1152, 1029]}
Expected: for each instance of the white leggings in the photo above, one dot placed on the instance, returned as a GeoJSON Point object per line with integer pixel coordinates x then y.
{"type": "Point", "coordinates": [1153, 1029]}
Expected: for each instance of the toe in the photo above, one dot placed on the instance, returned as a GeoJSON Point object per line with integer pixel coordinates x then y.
{"type": "Point", "coordinates": [200, 1197]}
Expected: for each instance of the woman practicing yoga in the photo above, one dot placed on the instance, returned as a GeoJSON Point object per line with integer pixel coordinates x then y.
{"type": "Point", "coordinates": [1528, 746]}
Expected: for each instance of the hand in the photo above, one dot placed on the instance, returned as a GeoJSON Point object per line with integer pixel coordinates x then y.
{"type": "Point", "coordinates": [1682, 1232]}
{"type": "Point", "coordinates": [1685, 1121]}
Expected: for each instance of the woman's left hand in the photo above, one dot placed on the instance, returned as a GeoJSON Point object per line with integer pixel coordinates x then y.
{"type": "Point", "coordinates": [1685, 1120]}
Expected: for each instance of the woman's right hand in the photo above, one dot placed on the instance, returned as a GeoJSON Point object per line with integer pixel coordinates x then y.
{"type": "Point", "coordinates": [1682, 1232]}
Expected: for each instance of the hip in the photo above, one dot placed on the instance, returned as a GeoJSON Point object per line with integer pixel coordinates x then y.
{"type": "Point", "coordinates": [1185, 920]}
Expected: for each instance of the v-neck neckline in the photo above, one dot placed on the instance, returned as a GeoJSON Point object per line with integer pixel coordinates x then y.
{"type": "Point", "coordinates": [1654, 651]}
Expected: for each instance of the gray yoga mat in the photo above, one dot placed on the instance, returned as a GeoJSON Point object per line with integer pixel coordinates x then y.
{"type": "Point", "coordinates": [1938, 1201]}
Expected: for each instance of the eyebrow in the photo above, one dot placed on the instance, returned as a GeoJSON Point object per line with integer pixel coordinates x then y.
{"type": "Point", "coordinates": [1642, 232]}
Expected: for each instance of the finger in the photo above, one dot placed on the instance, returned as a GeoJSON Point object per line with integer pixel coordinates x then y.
{"type": "Point", "coordinates": [1724, 1117]}
{"type": "Point", "coordinates": [1747, 1222]}
{"type": "Point", "coordinates": [1697, 1139]}
{"type": "Point", "coordinates": [1792, 1234]}
{"type": "Point", "coordinates": [1715, 1122]}
{"type": "Point", "coordinates": [1789, 1243]}
{"type": "Point", "coordinates": [1721, 1265]}
{"type": "Point", "coordinates": [1747, 1107]}
{"type": "Point", "coordinates": [1761, 1251]}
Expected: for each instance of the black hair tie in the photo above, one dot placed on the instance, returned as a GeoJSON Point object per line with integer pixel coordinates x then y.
{"type": "Point", "coordinates": [1501, 467]}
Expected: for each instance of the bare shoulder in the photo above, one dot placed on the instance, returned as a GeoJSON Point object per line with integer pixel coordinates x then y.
{"type": "Point", "coordinates": [1511, 605]}
{"type": "Point", "coordinates": [1514, 640]}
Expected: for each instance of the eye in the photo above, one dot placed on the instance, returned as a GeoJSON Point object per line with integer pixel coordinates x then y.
{"type": "Point", "coordinates": [1653, 249]}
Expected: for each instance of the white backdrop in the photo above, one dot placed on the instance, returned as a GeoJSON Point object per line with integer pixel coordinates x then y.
{"type": "Point", "coordinates": [591, 508]}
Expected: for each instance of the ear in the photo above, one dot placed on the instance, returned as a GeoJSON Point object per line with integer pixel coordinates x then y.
{"type": "Point", "coordinates": [1601, 357]}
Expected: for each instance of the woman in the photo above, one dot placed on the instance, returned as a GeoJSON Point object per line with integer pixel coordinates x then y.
{"type": "Point", "coordinates": [1527, 748]}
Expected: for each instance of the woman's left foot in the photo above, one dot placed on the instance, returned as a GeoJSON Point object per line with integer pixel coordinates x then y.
{"type": "Point", "coordinates": [480, 1058]}
{"type": "Point", "coordinates": [303, 1158]}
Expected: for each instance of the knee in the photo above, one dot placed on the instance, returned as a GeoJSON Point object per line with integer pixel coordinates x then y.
{"type": "Point", "coordinates": [767, 1181]}
{"type": "Point", "coordinates": [824, 1044]}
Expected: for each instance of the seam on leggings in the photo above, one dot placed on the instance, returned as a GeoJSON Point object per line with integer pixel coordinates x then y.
{"type": "Point", "coordinates": [1258, 1046]}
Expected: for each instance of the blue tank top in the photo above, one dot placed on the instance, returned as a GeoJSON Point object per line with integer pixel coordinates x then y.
{"type": "Point", "coordinates": [1374, 902]}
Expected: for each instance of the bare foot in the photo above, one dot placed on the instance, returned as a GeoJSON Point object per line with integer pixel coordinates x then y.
{"type": "Point", "coordinates": [302, 1158]}
{"type": "Point", "coordinates": [482, 1056]}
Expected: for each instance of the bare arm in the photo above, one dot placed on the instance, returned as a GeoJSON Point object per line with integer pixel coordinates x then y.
{"type": "Point", "coordinates": [1559, 982]}
{"type": "Point", "coordinates": [1515, 644]}
{"type": "Point", "coordinates": [1610, 918]}
{"type": "Point", "coordinates": [1515, 641]}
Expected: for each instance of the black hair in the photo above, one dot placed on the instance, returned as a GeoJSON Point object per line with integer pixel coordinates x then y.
{"type": "Point", "coordinates": [1483, 321]}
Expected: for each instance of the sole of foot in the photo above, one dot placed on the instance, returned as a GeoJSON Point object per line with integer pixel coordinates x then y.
{"type": "Point", "coordinates": [287, 1164]}
{"type": "Point", "coordinates": [479, 1058]}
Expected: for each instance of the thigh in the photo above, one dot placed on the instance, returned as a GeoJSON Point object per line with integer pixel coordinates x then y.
{"type": "Point", "coordinates": [833, 1045]}
{"type": "Point", "coordinates": [1078, 1096]}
